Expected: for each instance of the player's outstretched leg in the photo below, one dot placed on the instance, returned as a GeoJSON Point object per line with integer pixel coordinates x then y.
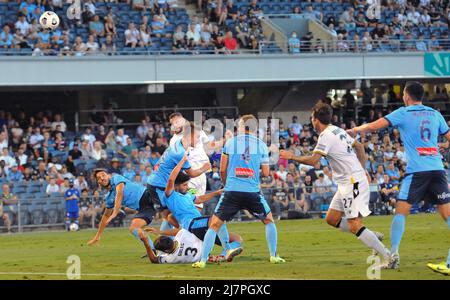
{"type": "Point", "coordinates": [215, 225]}
{"type": "Point", "coordinates": [272, 239]}
{"type": "Point", "coordinates": [444, 267]}
{"type": "Point", "coordinates": [136, 230]}
{"type": "Point", "coordinates": [369, 238]}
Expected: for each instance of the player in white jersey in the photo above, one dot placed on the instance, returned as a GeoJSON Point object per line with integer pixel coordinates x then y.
{"type": "Point", "coordinates": [351, 201]}
{"type": "Point", "coordinates": [197, 155]}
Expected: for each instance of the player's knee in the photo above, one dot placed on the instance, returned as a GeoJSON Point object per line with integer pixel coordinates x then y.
{"type": "Point", "coordinates": [354, 226]}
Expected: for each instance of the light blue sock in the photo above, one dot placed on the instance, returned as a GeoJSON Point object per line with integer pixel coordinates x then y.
{"type": "Point", "coordinates": [136, 235]}
{"type": "Point", "coordinates": [208, 244]}
{"type": "Point", "coordinates": [224, 237]}
{"type": "Point", "coordinates": [397, 229]}
{"type": "Point", "coordinates": [271, 237]}
{"type": "Point", "coordinates": [233, 245]}
{"type": "Point", "coordinates": [448, 257]}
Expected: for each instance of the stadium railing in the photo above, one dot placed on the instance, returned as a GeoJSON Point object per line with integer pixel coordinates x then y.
{"type": "Point", "coordinates": [138, 113]}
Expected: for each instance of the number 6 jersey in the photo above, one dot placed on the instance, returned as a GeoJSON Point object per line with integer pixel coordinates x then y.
{"type": "Point", "coordinates": [337, 146]}
{"type": "Point", "coordinates": [420, 127]}
{"type": "Point", "coordinates": [188, 249]}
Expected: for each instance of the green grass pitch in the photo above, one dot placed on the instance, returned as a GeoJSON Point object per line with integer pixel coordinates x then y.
{"type": "Point", "coordinates": [312, 250]}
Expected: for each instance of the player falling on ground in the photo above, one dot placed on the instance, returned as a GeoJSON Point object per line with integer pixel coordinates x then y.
{"type": "Point", "coordinates": [184, 214]}
{"type": "Point", "coordinates": [351, 201]}
{"type": "Point", "coordinates": [243, 158]}
{"type": "Point", "coordinates": [158, 179]}
{"type": "Point", "coordinates": [133, 196]}
{"type": "Point", "coordinates": [420, 127]}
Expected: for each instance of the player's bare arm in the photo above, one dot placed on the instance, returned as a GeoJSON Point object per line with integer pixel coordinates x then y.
{"type": "Point", "coordinates": [207, 197]}
{"type": "Point", "coordinates": [157, 231]}
{"type": "Point", "coordinates": [173, 221]}
{"type": "Point", "coordinates": [223, 168]}
{"type": "Point", "coordinates": [369, 127]}
{"type": "Point", "coordinates": [173, 176]}
{"type": "Point", "coordinates": [445, 144]}
{"type": "Point", "coordinates": [360, 153]}
{"type": "Point", "coordinates": [197, 172]}
{"type": "Point", "coordinates": [118, 202]}
{"type": "Point", "coordinates": [307, 160]}
{"type": "Point", "coordinates": [101, 226]}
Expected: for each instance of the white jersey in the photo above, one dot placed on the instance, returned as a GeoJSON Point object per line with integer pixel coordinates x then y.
{"type": "Point", "coordinates": [197, 155]}
{"type": "Point", "coordinates": [188, 249]}
{"type": "Point", "coordinates": [337, 146]}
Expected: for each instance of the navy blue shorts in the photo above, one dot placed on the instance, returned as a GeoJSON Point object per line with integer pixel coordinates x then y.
{"type": "Point", "coordinates": [199, 227]}
{"type": "Point", "coordinates": [72, 215]}
{"type": "Point", "coordinates": [430, 186]}
{"type": "Point", "coordinates": [156, 197]}
{"type": "Point", "coordinates": [146, 208]}
{"type": "Point", "coordinates": [230, 203]}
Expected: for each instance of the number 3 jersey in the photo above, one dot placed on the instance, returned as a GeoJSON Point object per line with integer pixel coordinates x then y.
{"type": "Point", "coordinates": [337, 146]}
{"type": "Point", "coordinates": [420, 127]}
{"type": "Point", "coordinates": [188, 249]}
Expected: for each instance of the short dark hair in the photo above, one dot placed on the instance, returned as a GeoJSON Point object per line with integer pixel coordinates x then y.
{"type": "Point", "coordinates": [163, 243]}
{"type": "Point", "coordinates": [415, 90]}
{"type": "Point", "coordinates": [322, 112]}
{"type": "Point", "coordinates": [182, 178]}
{"type": "Point", "coordinates": [175, 114]}
{"type": "Point", "coordinates": [96, 171]}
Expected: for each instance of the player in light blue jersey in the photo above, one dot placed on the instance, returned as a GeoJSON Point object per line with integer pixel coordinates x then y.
{"type": "Point", "coordinates": [169, 160]}
{"type": "Point", "coordinates": [242, 158]}
{"type": "Point", "coordinates": [131, 195]}
{"type": "Point", "coordinates": [419, 126]}
{"type": "Point", "coordinates": [185, 215]}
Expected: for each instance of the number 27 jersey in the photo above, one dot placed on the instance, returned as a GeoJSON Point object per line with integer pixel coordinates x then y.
{"type": "Point", "coordinates": [337, 146]}
{"type": "Point", "coordinates": [420, 127]}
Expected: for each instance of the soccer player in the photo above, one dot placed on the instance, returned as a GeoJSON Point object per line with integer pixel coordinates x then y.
{"type": "Point", "coordinates": [169, 160]}
{"type": "Point", "coordinates": [197, 154]}
{"type": "Point", "coordinates": [184, 214]}
{"type": "Point", "coordinates": [123, 192]}
{"type": "Point", "coordinates": [419, 126]}
{"type": "Point", "coordinates": [185, 247]}
{"type": "Point", "coordinates": [351, 201]}
{"type": "Point", "coordinates": [72, 210]}
{"type": "Point", "coordinates": [243, 158]}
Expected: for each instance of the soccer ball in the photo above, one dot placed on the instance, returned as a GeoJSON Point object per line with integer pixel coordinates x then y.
{"type": "Point", "coordinates": [73, 227]}
{"type": "Point", "coordinates": [49, 20]}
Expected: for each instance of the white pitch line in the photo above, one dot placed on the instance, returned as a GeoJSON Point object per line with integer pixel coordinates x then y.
{"type": "Point", "coordinates": [147, 276]}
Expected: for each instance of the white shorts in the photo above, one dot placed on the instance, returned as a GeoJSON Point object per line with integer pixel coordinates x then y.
{"type": "Point", "coordinates": [352, 198]}
{"type": "Point", "coordinates": [198, 184]}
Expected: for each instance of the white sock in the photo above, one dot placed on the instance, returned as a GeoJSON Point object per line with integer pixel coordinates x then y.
{"type": "Point", "coordinates": [343, 225]}
{"type": "Point", "coordinates": [370, 240]}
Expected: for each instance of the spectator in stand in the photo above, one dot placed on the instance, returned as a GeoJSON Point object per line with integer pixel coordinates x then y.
{"type": "Point", "coordinates": [219, 45]}
{"type": "Point", "coordinates": [109, 47]}
{"type": "Point", "coordinates": [52, 187]}
{"type": "Point", "coordinates": [96, 27]}
{"type": "Point", "coordinates": [72, 210]}
{"type": "Point", "coordinates": [14, 175]}
{"type": "Point", "coordinates": [308, 189]}
{"type": "Point", "coordinates": [193, 35]}
{"type": "Point", "coordinates": [122, 137]}
{"type": "Point", "coordinates": [314, 14]}
{"type": "Point", "coordinates": [115, 166]}
{"type": "Point", "coordinates": [128, 172]}
{"type": "Point", "coordinates": [294, 43]}
{"type": "Point", "coordinates": [86, 208]}
{"type": "Point", "coordinates": [131, 36]}
{"type": "Point", "coordinates": [144, 36]}
{"type": "Point", "coordinates": [9, 161]}
{"type": "Point", "coordinates": [96, 151]}
{"type": "Point", "coordinates": [388, 193]}
{"type": "Point", "coordinates": [280, 197]}
{"type": "Point", "coordinates": [81, 183]}
{"type": "Point", "coordinates": [129, 147]}
{"type": "Point", "coordinates": [23, 25]}
{"type": "Point", "coordinates": [59, 121]}
{"type": "Point", "coordinates": [230, 42]}
{"type": "Point", "coordinates": [7, 198]}
{"type": "Point", "coordinates": [98, 203]}
{"type": "Point", "coordinates": [6, 37]}
{"type": "Point", "coordinates": [92, 46]}
{"type": "Point", "coordinates": [295, 127]}
{"type": "Point", "coordinates": [110, 27]}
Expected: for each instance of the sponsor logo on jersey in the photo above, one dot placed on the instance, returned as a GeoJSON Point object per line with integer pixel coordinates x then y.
{"type": "Point", "coordinates": [244, 172]}
{"type": "Point", "coordinates": [427, 151]}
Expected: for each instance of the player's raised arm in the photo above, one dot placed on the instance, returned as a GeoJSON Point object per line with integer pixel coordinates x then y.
{"type": "Point", "coordinates": [360, 153]}
{"type": "Point", "coordinates": [307, 160]}
{"type": "Point", "coordinates": [173, 176]}
{"type": "Point", "coordinates": [369, 127]}
{"type": "Point", "coordinates": [117, 202]}
{"type": "Point", "coordinates": [223, 167]}
{"type": "Point", "coordinates": [101, 226]}
{"type": "Point", "coordinates": [197, 172]}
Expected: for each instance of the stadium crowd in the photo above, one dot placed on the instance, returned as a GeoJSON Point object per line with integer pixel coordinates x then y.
{"type": "Point", "coordinates": [40, 150]}
{"type": "Point", "coordinates": [136, 25]}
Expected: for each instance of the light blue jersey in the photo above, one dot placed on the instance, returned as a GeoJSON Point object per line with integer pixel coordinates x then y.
{"type": "Point", "coordinates": [182, 207]}
{"type": "Point", "coordinates": [168, 161]}
{"type": "Point", "coordinates": [246, 153]}
{"type": "Point", "coordinates": [420, 127]}
{"type": "Point", "coordinates": [132, 192]}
